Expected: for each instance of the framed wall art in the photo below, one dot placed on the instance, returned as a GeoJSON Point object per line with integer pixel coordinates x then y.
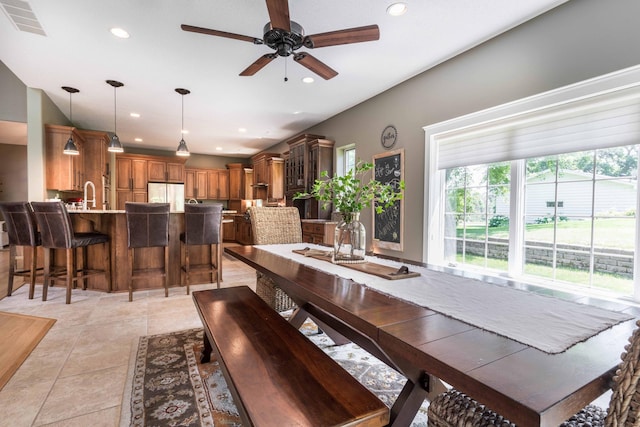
{"type": "Point", "coordinates": [388, 226]}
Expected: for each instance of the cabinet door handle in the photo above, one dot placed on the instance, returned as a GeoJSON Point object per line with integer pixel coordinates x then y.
{"type": "Point", "coordinates": [130, 183]}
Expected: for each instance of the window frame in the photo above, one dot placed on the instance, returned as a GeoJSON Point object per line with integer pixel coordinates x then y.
{"type": "Point", "coordinates": [433, 248]}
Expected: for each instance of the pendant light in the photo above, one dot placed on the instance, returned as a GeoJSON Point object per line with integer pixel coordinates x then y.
{"type": "Point", "coordinates": [115, 146]}
{"type": "Point", "coordinates": [182, 146]}
{"type": "Point", "coordinates": [70, 147]}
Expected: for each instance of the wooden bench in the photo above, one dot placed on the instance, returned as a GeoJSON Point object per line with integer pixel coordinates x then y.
{"type": "Point", "coordinates": [276, 375]}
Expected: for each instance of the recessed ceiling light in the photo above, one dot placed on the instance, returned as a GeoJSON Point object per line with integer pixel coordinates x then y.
{"type": "Point", "coordinates": [136, 115]}
{"type": "Point", "coordinates": [138, 139]}
{"type": "Point", "coordinates": [218, 148]}
{"type": "Point", "coordinates": [307, 80]}
{"type": "Point", "coordinates": [397, 9]}
{"type": "Point", "coordinates": [242, 130]}
{"type": "Point", "coordinates": [184, 131]}
{"type": "Point", "coordinates": [119, 32]}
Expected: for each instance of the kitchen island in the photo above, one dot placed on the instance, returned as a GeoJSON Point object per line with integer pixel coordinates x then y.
{"type": "Point", "coordinates": [114, 224]}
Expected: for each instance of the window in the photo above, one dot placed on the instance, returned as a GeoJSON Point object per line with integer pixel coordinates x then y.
{"type": "Point", "coordinates": [544, 189]}
{"type": "Point", "coordinates": [349, 160]}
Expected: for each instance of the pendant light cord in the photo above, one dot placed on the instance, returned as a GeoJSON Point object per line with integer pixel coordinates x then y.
{"type": "Point", "coordinates": [115, 117]}
{"type": "Point", "coordinates": [182, 125]}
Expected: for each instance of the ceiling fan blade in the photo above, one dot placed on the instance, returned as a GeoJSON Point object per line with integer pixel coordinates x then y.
{"type": "Point", "coordinates": [210, 32]}
{"type": "Point", "coordinates": [346, 36]}
{"type": "Point", "coordinates": [315, 65]}
{"type": "Point", "coordinates": [279, 14]}
{"type": "Point", "coordinates": [259, 64]}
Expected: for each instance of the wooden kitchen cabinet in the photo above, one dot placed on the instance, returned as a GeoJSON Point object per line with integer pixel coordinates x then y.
{"type": "Point", "coordinates": [228, 229]}
{"type": "Point", "coordinates": [308, 156]}
{"type": "Point", "coordinates": [268, 176]}
{"type": "Point", "coordinates": [131, 180]}
{"type": "Point", "coordinates": [240, 181]}
{"type": "Point", "coordinates": [243, 230]}
{"type": "Point", "coordinates": [63, 172]}
{"type": "Point", "coordinates": [218, 184]}
{"type": "Point", "coordinates": [165, 171]}
{"type": "Point", "coordinates": [318, 231]}
{"type": "Point", "coordinates": [97, 168]}
{"type": "Point", "coordinates": [195, 184]}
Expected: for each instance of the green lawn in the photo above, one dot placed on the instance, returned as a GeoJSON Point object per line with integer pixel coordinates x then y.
{"type": "Point", "coordinates": [609, 282]}
{"type": "Point", "coordinates": [617, 233]}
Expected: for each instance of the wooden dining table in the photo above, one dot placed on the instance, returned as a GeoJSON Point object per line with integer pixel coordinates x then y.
{"type": "Point", "coordinates": [526, 385]}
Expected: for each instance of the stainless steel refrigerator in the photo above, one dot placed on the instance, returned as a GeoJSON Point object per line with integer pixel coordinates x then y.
{"type": "Point", "coordinates": [162, 192]}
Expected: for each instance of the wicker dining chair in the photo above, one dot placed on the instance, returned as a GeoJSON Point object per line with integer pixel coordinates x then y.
{"type": "Point", "coordinates": [454, 408]}
{"type": "Point", "coordinates": [273, 226]}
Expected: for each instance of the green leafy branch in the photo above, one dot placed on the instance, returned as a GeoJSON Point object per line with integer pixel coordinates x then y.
{"type": "Point", "coordinates": [351, 193]}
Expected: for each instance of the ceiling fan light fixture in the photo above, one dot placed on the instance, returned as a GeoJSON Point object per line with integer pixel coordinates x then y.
{"type": "Point", "coordinates": [70, 148]}
{"type": "Point", "coordinates": [115, 146]}
{"type": "Point", "coordinates": [182, 150]}
{"type": "Point", "coordinates": [397, 9]}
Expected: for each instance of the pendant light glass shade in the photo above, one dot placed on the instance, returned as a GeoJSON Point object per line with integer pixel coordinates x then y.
{"type": "Point", "coordinates": [70, 147]}
{"type": "Point", "coordinates": [182, 146]}
{"type": "Point", "coordinates": [114, 145]}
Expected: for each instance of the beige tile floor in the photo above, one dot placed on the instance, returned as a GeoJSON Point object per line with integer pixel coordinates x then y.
{"type": "Point", "coordinates": [76, 376]}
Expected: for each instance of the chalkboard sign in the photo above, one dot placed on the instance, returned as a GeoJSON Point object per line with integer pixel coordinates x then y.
{"type": "Point", "coordinates": [388, 226]}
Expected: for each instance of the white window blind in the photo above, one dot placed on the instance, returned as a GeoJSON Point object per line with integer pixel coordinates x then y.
{"type": "Point", "coordinates": [605, 120]}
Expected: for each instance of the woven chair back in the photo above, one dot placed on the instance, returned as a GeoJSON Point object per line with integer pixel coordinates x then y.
{"type": "Point", "coordinates": [624, 407]}
{"type": "Point", "coordinates": [275, 225]}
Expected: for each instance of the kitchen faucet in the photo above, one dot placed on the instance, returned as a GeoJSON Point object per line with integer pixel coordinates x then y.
{"type": "Point", "coordinates": [84, 199]}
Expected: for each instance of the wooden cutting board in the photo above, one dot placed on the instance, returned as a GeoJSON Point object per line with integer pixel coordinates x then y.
{"type": "Point", "coordinates": [379, 270]}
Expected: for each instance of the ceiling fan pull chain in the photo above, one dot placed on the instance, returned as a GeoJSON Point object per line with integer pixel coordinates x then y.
{"type": "Point", "coordinates": [286, 79]}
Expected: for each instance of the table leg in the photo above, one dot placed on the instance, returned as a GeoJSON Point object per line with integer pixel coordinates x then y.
{"type": "Point", "coordinates": [407, 404]}
{"type": "Point", "coordinates": [300, 315]}
{"type": "Point", "coordinates": [205, 354]}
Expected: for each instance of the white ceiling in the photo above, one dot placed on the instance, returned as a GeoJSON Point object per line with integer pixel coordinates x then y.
{"type": "Point", "coordinates": [79, 51]}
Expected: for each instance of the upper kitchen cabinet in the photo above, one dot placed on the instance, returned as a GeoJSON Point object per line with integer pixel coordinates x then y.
{"type": "Point", "coordinates": [240, 181]}
{"type": "Point", "coordinates": [195, 184]}
{"type": "Point", "coordinates": [96, 165]}
{"type": "Point", "coordinates": [308, 156]}
{"type": "Point", "coordinates": [218, 184]}
{"type": "Point", "coordinates": [131, 179]}
{"type": "Point", "coordinates": [268, 176]}
{"type": "Point", "coordinates": [165, 171]}
{"type": "Point", "coordinates": [63, 172]}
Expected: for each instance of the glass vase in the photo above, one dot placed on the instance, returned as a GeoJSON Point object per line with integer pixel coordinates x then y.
{"type": "Point", "coordinates": [350, 239]}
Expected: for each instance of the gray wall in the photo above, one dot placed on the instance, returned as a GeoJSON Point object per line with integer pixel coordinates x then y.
{"type": "Point", "coordinates": [13, 97]}
{"type": "Point", "coordinates": [578, 40]}
{"type": "Point", "coordinates": [13, 173]}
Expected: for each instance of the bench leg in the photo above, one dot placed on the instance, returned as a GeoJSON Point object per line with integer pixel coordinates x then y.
{"type": "Point", "coordinates": [205, 354]}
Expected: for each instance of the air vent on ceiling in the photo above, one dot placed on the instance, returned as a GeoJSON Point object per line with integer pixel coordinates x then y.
{"type": "Point", "coordinates": [19, 12]}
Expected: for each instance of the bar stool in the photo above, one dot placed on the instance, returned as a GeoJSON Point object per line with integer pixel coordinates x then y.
{"type": "Point", "coordinates": [57, 232]}
{"type": "Point", "coordinates": [22, 229]}
{"type": "Point", "coordinates": [202, 226]}
{"type": "Point", "coordinates": [147, 226]}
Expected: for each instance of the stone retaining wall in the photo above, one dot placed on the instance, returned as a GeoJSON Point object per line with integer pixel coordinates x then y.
{"type": "Point", "coordinates": [610, 261]}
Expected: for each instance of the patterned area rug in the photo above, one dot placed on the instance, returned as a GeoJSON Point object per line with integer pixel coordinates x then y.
{"type": "Point", "coordinates": [171, 387]}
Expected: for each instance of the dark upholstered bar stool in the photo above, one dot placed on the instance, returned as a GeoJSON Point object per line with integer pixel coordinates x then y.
{"type": "Point", "coordinates": [57, 232]}
{"type": "Point", "coordinates": [202, 226]}
{"type": "Point", "coordinates": [22, 228]}
{"type": "Point", "coordinates": [147, 226]}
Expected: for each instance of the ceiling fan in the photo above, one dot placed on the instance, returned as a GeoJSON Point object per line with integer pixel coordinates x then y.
{"type": "Point", "coordinates": [286, 37]}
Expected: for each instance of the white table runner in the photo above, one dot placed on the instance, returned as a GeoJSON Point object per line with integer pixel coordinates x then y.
{"type": "Point", "coordinates": [546, 323]}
